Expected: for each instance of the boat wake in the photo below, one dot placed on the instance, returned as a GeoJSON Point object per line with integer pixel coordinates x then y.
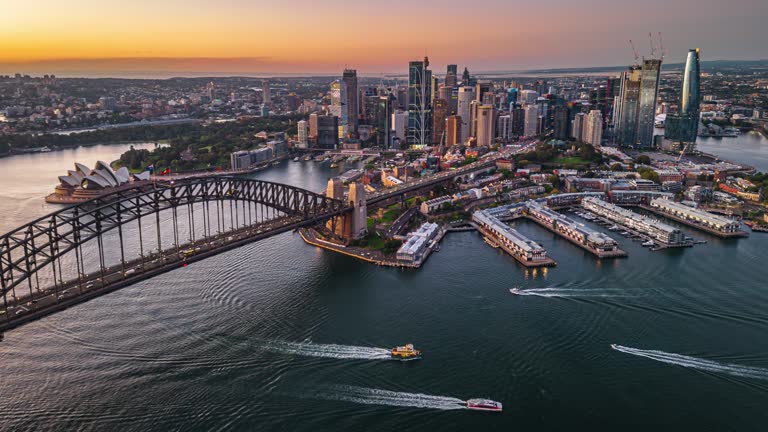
{"type": "Point", "coordinates": [371, 396]}
{"type": "Point", "coordinates": [696, 363]}
{"type": "Point", "coordinates": [561, 292]}
{"type": "Point", "coordinates": [309, 349]}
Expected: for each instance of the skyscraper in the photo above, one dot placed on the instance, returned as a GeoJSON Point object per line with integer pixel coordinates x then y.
{"type": "Point", "coordinates": [466, 95]}
{"type": "Point", "coordinates": [593, 128]}
{"type": "Point", "coordinates": [451, 77]}
{"type": "Point", "coordinates": [327, 132]}
{"type": "Point", "coordinates": [266, 94]}
{"type": "Point", "coordinates": [419, 91]}
{"type": "Point", "coordinates": [504, 127]}
{"type": "Point", "coordinates": [466, 80]}
{"type": "Point", "coordinates": [439, 114]}
{"type": "Point", "coordinates": [453, 131]}
{"type": "Point", "coordinates": [562, 122]}
{"type": "Point", "coordinates": [649, 93]}
{"type": "Point", "coordinates": [682, 128]}
{"type": "Point", "coordinates": [303, 134]}
{"type": "Point", "coordinates": [338, 106]}
{"type": "Point", "coordinates": [400, 125]}
{"type": "Point", "coordinates": [578, 126]}
{"type": "Point", "coordinates": [313, 125]}
{"type": "Point", "coordinates": [485, 125]}
{"type": "Point", "coordinates": [531, 120]}
{"type": "Point", "coordinates": [352, 106]}
{"type": "Point", "coordinates": [626, 107]}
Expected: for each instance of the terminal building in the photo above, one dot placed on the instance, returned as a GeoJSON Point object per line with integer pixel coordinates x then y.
{"type": "Point", "coordinates": [569, 228]}
{"type": "Point", "coordinates": [414, 249]}
{"type": "Point", "coordinates": [523, 249]}
{"type": "Point", "coordinates": [653, 228]}
{"type": "Point", "coordinates": [696, 216]}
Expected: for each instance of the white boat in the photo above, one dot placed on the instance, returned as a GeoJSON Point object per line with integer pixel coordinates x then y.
{"type": "Point", "coordinates": [648, 243]}
{"type": "Point", "coordinates": [296, 159]}
{"type": "Point", "coordinates": [484, 405]}
{"type": "Point", "coordinates": [516, 291]}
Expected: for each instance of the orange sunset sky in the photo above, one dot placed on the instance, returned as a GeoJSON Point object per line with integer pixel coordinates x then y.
{"type": "Point", "coordinates": [303, 36]}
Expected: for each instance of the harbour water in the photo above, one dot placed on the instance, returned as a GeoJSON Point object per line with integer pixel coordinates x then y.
{"type": "Point", "coordinates": [279, 335]}
{"type": "Point", "coordinates": [750, 148]}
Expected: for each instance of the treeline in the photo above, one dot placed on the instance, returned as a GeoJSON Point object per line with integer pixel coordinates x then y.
{"type": "Point", "coordinates": [207, 147]}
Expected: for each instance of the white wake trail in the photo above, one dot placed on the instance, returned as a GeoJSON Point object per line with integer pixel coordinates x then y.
{"type": "Point", "coordinates": [309, 349]}
{"type": "Point", "coordinates": [561, 292]}
{"type": "Point", "coordinates": [371, 396]}
{"type": "Point", "coordinates": [697, 363]}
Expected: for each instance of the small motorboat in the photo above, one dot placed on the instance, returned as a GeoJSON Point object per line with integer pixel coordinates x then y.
{"type": "Point", "coordinates": [484, 405]}
{"type": "Point", "coordinates": [516, 291]}
{"type": "Point", "coordinates": [296, 159]}
{"type": "Point", "coordinates": [648, 243]}
{"type": "Point", "coordinates": [405, 353]}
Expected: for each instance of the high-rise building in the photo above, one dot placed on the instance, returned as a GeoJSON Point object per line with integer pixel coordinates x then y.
{"type": "Point", "coordinates": [528, 96]}
{"type": "Point", "coordinates": [518, 121]}
{"type": "Point", "coordinates": [303, 132]}
{"type": "Point", "coordinates": [473, 107]}
{"type": "Point", "coordinates": [481, 89]}
{"type": "Point", "coordinates": [266, 94]}
{"type": "Point", "coordinates": [445, 93]}
{"type": "Point", "coordinates": [400, 125]}
{"type": "Point", "coordinates": [512, 95]}
{"type": "Point", "coordinates": [451, 77]}
{"type": "Point", "coordinates": [327, 132]}
{"type": "Point", "coordinates": [593, 128]}
{"type": "Point", "coordinates": [682, 128]}
{"type": "Point", "coordinates": [419, 114]}
{"type": "Point", "coordinates": [466, 80]}
{"type": "Point", "coordinates": [649, 94]}
{"type": "Point", "coordinates": [485, 125]}
{"type": "Point", "coordinates": [561, 123]}
{"type": "Point", "coordinates": [578, 126]}
{"type": "Point", "coordinates": [380, 117]}
{"type": "Point", "coordinates": [636, 106]}
{"type": "Point", "coordinates": [466, 95]}
{"type": "Point", "coordinates": [504, 127]}
{"type": "Point", "coordinates": [313, 126]}
{"type": "Point", "coordinates": [352, 106]}
{"type": "Point", "coordinates": [439, 114]}
{"type": "Point", "coordinates": [338, 106]}
{"type": "Point", "coordinates": [531, 120]}
{"type": "Point", "coordinates": [453, 131]}
{"type": "Point", "coordinates": [626, 107]}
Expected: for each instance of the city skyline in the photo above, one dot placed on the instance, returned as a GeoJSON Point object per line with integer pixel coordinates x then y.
{"type": "Point", "coordinates": [221, 37]}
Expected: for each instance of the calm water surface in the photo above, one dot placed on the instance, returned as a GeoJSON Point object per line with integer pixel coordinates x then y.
{"type": "Point", "coordinates": [279, 335]}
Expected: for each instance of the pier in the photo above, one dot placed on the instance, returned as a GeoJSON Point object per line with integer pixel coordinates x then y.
{"type": "Point", "coordinates": [595, 242]}
{"type": "Point", "coordinates": [696, 218]}
{"type": "Point", "coordinates": [524, 250]}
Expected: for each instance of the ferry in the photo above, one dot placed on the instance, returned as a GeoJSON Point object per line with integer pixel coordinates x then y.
{"type": "Point", "coordinates": [491, 243]}
{"type": "Point", "coordinates": [405, 353]}
{"type": "Point", "coordinates": [484, 405]}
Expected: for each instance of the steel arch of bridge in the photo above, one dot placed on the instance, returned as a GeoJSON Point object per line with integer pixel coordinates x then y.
{"type": "Point", "coordinates": [41, 243]}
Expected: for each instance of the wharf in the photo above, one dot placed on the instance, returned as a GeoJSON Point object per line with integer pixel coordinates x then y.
{"type": "Point", "coordinates": [618, 253]}
{"type": "Point", "coordinates": [546, 262]}
{"type": "Point", "coordinates": [659, 245]}
{"type": "Point", "coordinates": [691, 224]}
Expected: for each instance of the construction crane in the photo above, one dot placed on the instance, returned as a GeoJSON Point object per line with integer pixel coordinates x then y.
{"type": "Point", "coordinates": [682, 152]}
{"type": "Point", "coordinates": [661, 46]}
{"type": "Point", "coordinates": [634, 51]}
{"type": "Point", "coordinates": [653, 48]}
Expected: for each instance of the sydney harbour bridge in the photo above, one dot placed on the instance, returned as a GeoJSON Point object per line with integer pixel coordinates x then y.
{"type": "Point", "coordinates": [103, 244]}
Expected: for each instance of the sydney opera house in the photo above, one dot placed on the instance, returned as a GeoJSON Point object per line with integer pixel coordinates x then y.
{"type": "Point", "coordinates": [85, 183]}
